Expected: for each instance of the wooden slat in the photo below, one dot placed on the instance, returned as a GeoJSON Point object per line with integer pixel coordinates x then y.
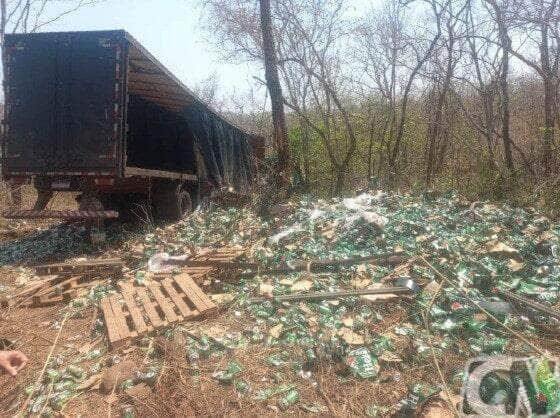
{"type": "Point", "coordinates": [38, 285]}
{"type": "Point", "coordinates": [166, 307]}
{"type": "Point", "coordinates": [169, 103]}
{"type": "Point", "coordinates": [138, 87]}
{"type": "Point", "coordinates": [161, 96]}
{"type": "Point", "coordinates": [120, 320]}
{"type": "Point", "coordinates": [135, 312]}
{"type": "Point", "coordinates": [89, 284]}
{"type": "Point", "coordinates": [176, 298]}
{"type": "Point", "coordinates": [144, 172]}
{"type": "Point", "coordinates": [107, 262]}
{"type": "Point", "coordinates": [150, 78]}
{"type": "Point", "coordinates": [112, 330]}
{"type": "Point", "coordinates": [197, 270]}
{"type": "Point", "coordinates": [42, 301]}
{"type": "Point", "coordinates": [154, 93]}
{"type": "Point", "coordinates": [59, 214]}
{"type": "Point", "coordinates": [140, 62]}
{"type": "Point", "coordinates": [149, 308]}
{"type": "Point", "coordinates": [197, 273]}
{"type": "Point", "coordinates": [201, 296]}
{"type": "Point", "coordinates": [59, 285]}
{"type": "Point", "coordinates": [194, 293]}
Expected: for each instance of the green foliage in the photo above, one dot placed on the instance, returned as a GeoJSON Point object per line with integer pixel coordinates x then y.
{"type": "Point", "coordinates": [493, 182]}
{"type": "Point", "coordinates": [463, 163]}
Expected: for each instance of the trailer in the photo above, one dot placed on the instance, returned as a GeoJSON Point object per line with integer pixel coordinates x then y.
{"type": "Point", "coordinates": [96, 113]}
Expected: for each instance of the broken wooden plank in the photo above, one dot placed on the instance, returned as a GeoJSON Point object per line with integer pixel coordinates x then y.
{"type": "Point", "coordinates": [197, 265]}
{"type": "Point", "coordinates": [62, 288]}
{"type": "Point", "coordinates": [197, 272]}
{"type": "Point", "coordinates": [37, 285]}
{"type": "Point", "coordinates": [198, 293]}
{"type": "Point", "coordinates": [54, 286]}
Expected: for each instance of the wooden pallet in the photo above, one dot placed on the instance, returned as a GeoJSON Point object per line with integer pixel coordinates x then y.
{"type": "Point", "coordinates": [60, 282]}
{"type": "Point", "coordinates": [108, 266]}
{"type": "Point", "coordinates": [220, 254]}
{"type": "Point", "coordinates": [63, 289]}
{"type": "Point", "coordinates": [144, 309]}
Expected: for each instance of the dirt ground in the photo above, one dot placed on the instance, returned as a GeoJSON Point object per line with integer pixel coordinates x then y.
{"type": "Point", "coordinates": [36, 331]}
{"type": "Point", "coordinates": [178, 393]}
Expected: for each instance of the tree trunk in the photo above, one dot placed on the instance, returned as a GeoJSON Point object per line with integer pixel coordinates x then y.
{"type": "Point", "coordinates": [406, 92]}
{"type": "Point", "coordinates": [506, 138]}
{"type": "Point", "coordinates": [505, 42]}
{"type": "Point", "coordinates": [275, 90]}
{"type": "Point", "coordinates": [548, 134]}
{"type": "Point", "coordinates": [488, 101]}
{"type": "Point", "coordinates": [434, 128]}
{"type": "Point", "coordinates": [548, 86]}
{"type": "Point", "coordinates": [340, 177]}
{"type": "Point", "coordinates": [370, 164]}
{"type": "Point", "coordinates": [431, 143]}
{"type": "Point", "coordinates": [306, 145]}
{"type": "Point", "coordinates": [3, 23]}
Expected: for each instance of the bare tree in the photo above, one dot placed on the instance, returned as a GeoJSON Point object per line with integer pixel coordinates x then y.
{"type": "Point", "coordinates": [499, 15]}
{"type": "Point", "coordinates": [382, 50]}
{"type": "Point", "coordinates": [33, 15]}
{"type": "Point", "coordinates": [208, 90]}
{"type": "Point", "coordinates": [315, 50]}
{"type": "Point", "coordinates": [453, 21]}
{"type": "Point", "coordinates": [536, 22]}
{"type": "Point", "coordinates": [280, 135]}
{"type": "Point", "coordinates": [485, 63]}
{"type": "Point", "coordinates": [422, 57]}
{"type": "Point", "coordinates": [384, 93]}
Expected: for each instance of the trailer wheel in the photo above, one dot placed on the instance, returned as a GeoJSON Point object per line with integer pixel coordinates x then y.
{"type": "Point", "coordinates": [171, 202]}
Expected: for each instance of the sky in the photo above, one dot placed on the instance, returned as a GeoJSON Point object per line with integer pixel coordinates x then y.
{"type": "Point", "coordinates": [172, 30]}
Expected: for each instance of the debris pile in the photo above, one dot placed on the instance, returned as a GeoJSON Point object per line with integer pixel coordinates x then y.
{"type": "Point", "coordinates": [488, 278]}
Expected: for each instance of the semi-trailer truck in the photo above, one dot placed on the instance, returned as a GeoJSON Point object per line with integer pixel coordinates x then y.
{"type": "Point", "coordinates": [94, 112]}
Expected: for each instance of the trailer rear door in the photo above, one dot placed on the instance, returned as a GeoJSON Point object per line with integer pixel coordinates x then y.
{"type": "Point", "coordinates": [64, 103]}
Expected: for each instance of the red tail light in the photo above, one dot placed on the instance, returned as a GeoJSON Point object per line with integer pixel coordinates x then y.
{"type": "Point", "coordinates": [104, 181]}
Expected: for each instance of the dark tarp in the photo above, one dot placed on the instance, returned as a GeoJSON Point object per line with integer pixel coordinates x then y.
{"type": "Point", "coordinates": [225, 150]}
{"type": "Point", "coordinates": [158, 138]}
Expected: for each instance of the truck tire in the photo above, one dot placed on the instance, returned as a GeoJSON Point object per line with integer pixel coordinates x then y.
{"type": "Point", "coordinates": [171, 202]}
